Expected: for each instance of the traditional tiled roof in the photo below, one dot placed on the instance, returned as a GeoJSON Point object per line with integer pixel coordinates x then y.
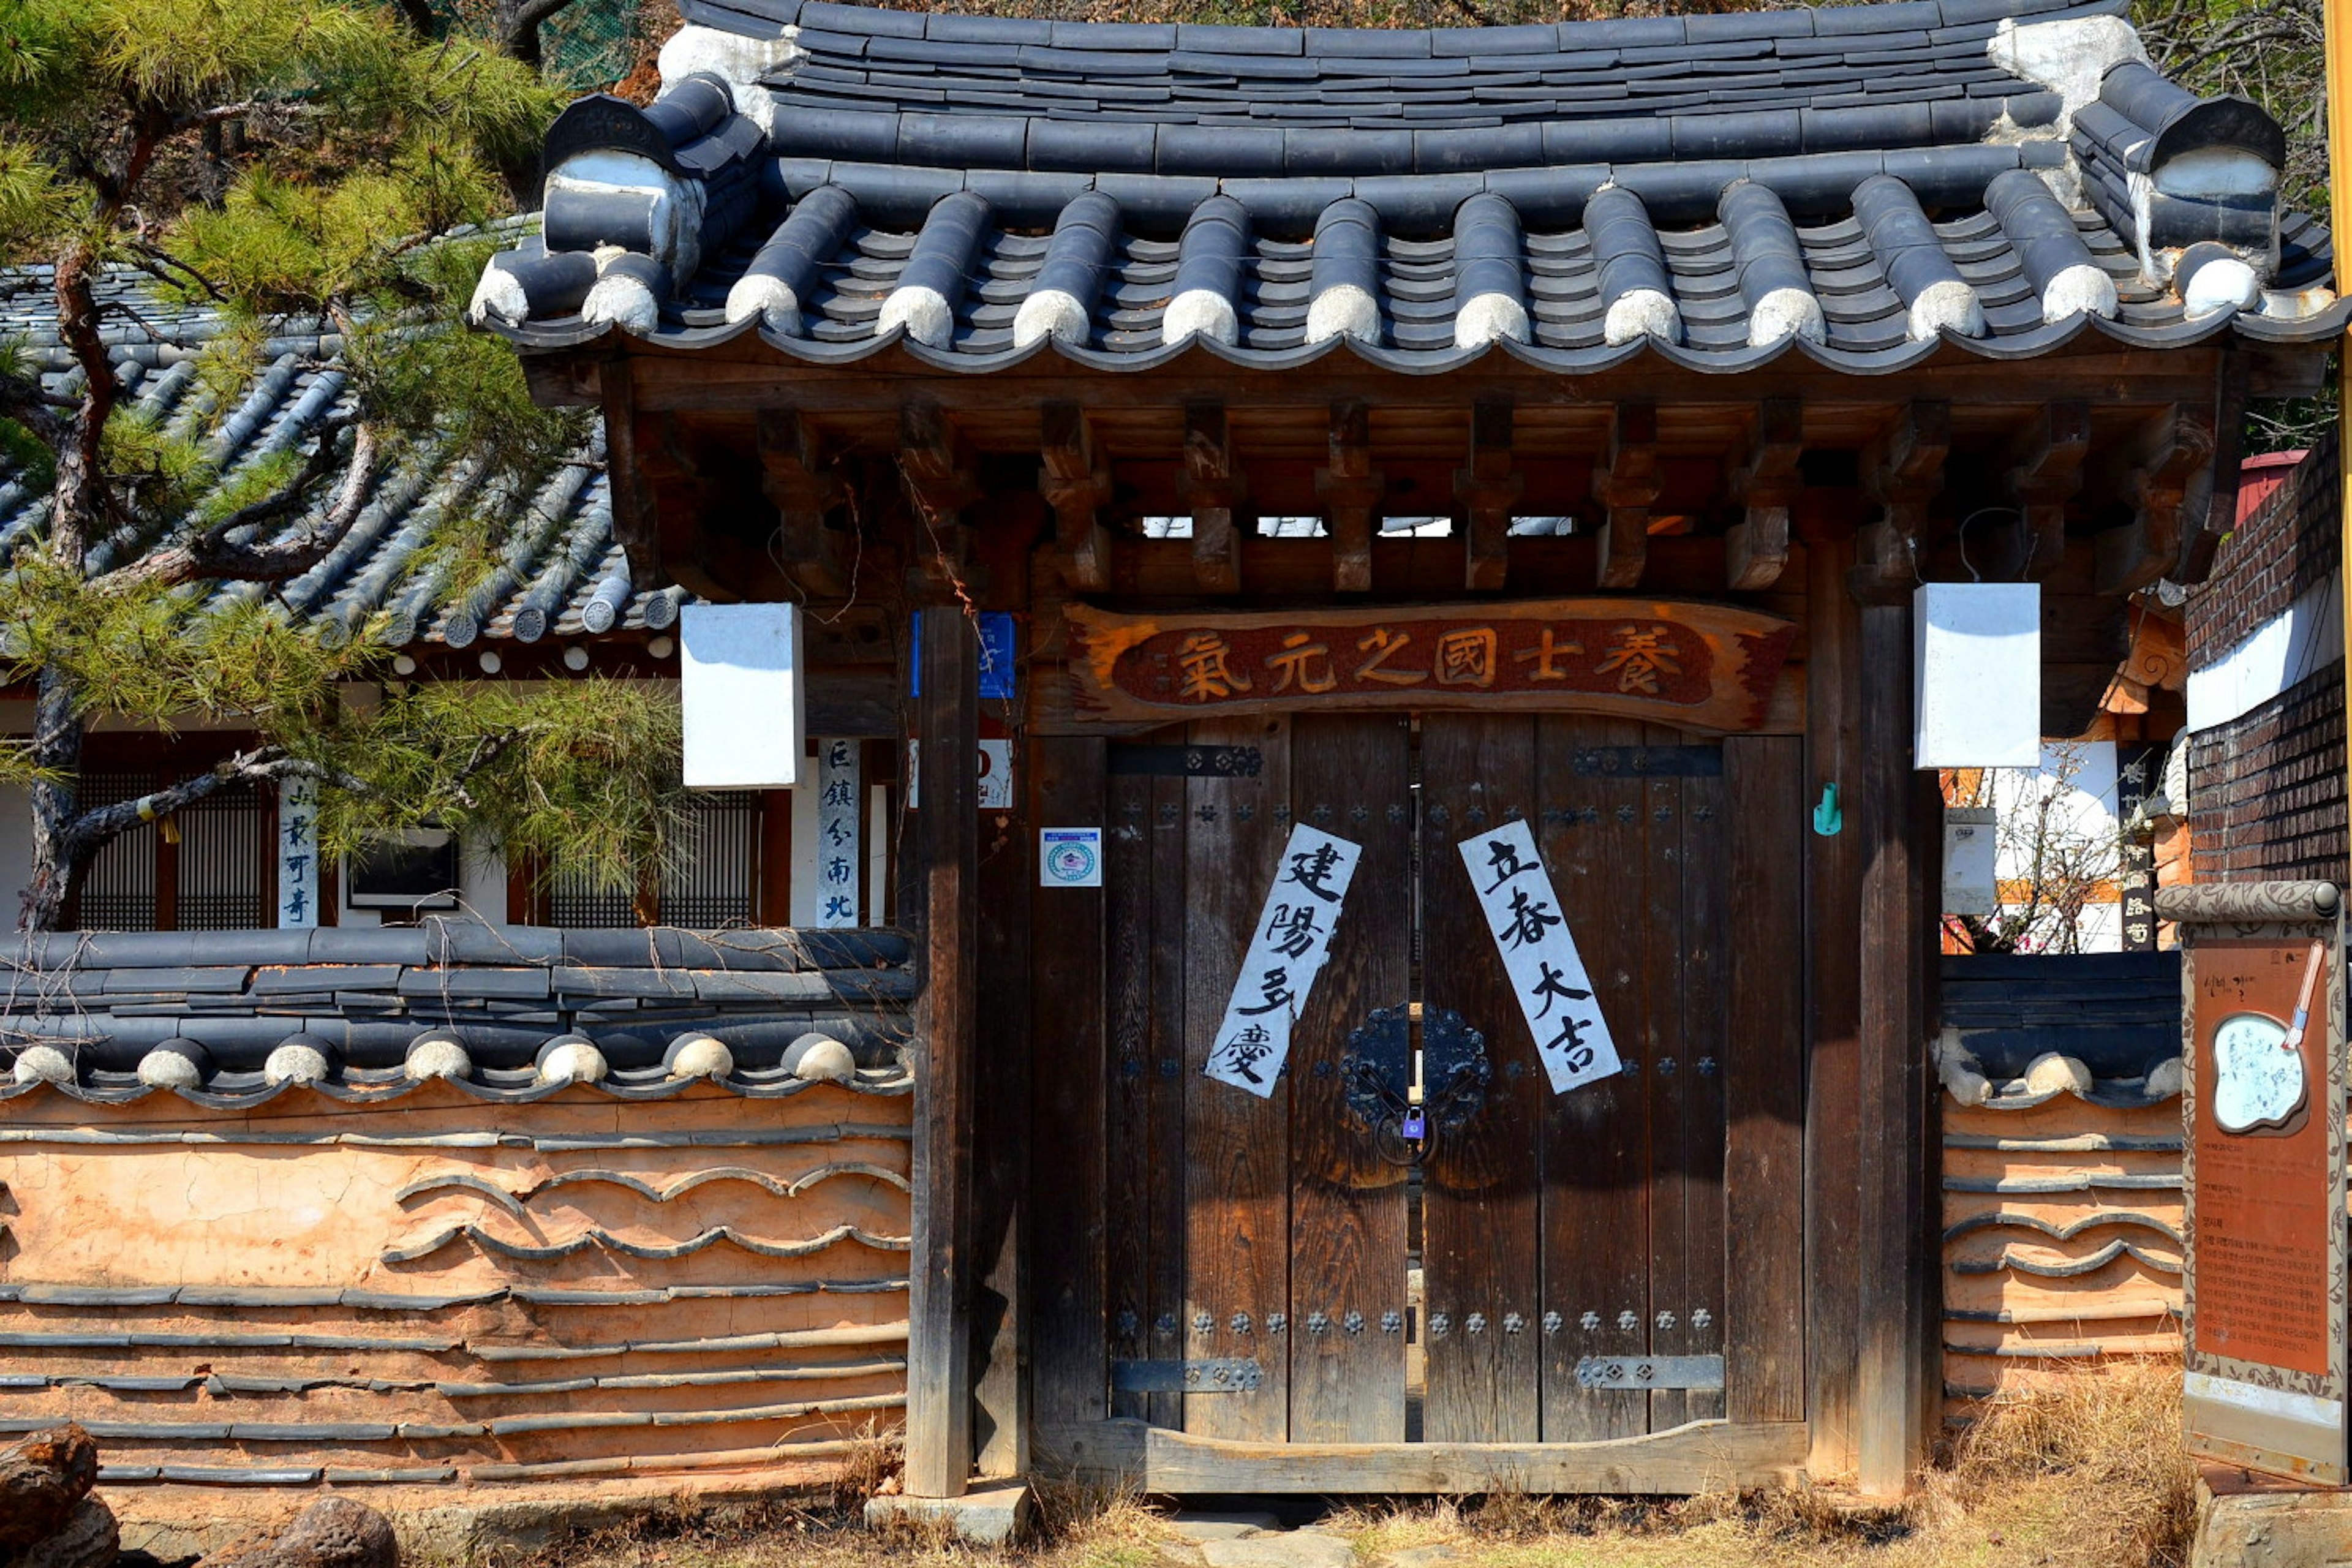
{"type": "Point", "coordinates": [1865, 184]}
{"type": "Point", "coordinates": [2020, 1031]}
{"type": "Point", "coordinates": [229, 1019]}
{"type": "Point", "coordinates": [561, 573]}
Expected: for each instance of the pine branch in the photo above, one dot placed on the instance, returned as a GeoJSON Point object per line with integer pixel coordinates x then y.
{"type": "Point", "coordinates": [262, 762]}
{"type": "Point", "coordinates": [214, 556]}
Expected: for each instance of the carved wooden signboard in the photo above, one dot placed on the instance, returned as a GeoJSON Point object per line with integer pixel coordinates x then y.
{"type": "Point", "coordinates": [2264, 1112]}
{"type": "Point", "coordinates": [1698, 666]}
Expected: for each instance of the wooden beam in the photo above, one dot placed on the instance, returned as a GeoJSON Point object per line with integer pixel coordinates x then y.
{"type": "Point", "coordinates": [1698, 1457]}
{"type": "Point", "coordinates": [1076, 482]}
{"type": "Point", "coordinates": [636, 523]}
{"type": "Point", "coordinates": [1487, 489]}
{"type": "Point", "coordinates": [802, 483]}
{"type": "Point", "coordinates": [1351, 489]}
{"type": "Point", "coordinates": [1904, 474]}
{"type": "Point", "coordinates": [1212, 487]}
{"type": "Point", "coordinates": [939, 1330]}
{"type": "Point", "coordinates": [1625, 485]}
{"type": "Point", "coordinates": [1755, 548]}
{"type": "Point", "coordinates": [2169, 476]}
{"type": "Point", "coordinates": [2044, 471]}
{"type": "Point", "coordinates": [939, 469]}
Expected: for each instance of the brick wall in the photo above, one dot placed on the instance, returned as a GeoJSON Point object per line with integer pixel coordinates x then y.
{"type": "Point", "coordinates": [2266, 790]}
{"type": "Point", "coordinates": [2289, 544]}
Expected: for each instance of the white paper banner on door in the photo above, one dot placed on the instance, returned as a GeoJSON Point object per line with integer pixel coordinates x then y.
{"type": "Point", "coordinates": [1540, 956]}
{"type": "Point", "coordinates": [1293, 939]}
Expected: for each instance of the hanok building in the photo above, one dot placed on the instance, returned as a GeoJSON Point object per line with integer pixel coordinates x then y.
{"type": "Point", "coordinates": [1458, 495]}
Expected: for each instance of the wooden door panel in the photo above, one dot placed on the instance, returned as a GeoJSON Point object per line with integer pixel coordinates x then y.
{"type": "Point", "coordinates": [1480, 1212]}
{"type": "Point", "coordinates": [1128, 872]}
{"type": "Point", "coordinates": [1349, 775]}
{"type": "Point", "coordinates": [1236, 1146]}
{"type": "Point", "coordinates": [1164, 1204]}
{"type": "Point", "coordinates": [1764, 1081]}
{"type": "Point", "coordinates": [1595, 1235]}
{"type": "Point", "coordinates": [1665, 1074]}
{"type": "Point", "coordinates": [1708, 880]}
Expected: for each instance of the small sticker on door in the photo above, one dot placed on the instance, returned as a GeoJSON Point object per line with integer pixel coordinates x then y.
{"type": "Point", "coordinates": [1069, 856]}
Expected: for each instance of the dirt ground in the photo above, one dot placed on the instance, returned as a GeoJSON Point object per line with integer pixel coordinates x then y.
{"type": "Point", "coordinates": [2089, 1477]}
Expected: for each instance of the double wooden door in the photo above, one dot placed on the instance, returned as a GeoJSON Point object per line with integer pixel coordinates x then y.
{"type": "Point", "coordinates": [1619, 1259]}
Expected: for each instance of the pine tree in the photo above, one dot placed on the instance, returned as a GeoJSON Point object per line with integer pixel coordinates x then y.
{"type": "Point", "coordinates": [276, 161]}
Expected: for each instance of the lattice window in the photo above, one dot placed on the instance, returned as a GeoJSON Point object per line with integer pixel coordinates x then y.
{"type": "Point", "coordinates": [713, 882]}
{"type": "Point", "coordinates": [215, 878]}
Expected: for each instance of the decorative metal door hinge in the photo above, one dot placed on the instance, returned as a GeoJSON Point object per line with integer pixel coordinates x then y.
{"type": "Point", "coordinates": [1216, 1375]}
{"type": "Point", "coordinates": [1699, 1372]}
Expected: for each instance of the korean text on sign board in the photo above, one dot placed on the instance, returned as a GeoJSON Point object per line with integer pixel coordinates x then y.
{"type": "Point", "coordinates": [1292, 940]}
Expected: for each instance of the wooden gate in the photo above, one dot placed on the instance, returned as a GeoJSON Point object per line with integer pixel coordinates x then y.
{"type": "Point", "coordinates": [1622, 1260]}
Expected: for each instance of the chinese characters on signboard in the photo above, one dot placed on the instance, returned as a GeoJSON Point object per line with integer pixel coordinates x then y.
{"type": "Point", "coordinates": [1292, 940]}
{"type": "Point", "coordinates": [2139, 773]}
{"type": "Point", "coordinates": [837, 833]}
{"type": "Point", "coordinates": [297, 854]}
{"type": "Point", "coordinates": [1701, 666]}
{"type": "Point", "coordinates": [1539, 956]}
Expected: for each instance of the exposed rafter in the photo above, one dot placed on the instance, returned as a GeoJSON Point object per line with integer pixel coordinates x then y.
{"type": "Point", "coordinates": [1212, 487]}
{"type": "Point", "coordinates": [1625, 484]}
{"type": "Point", "coordinates": [1487, 489]}
{"type": "Point", "coordinates": [1351, 489]}
{"type": "Point", "coordinates": [2169, 477]}
{"type": "Point", "coordinates": [937, 467]}
{"type": "Point", "coordinates": [1766, 487]}
{"type": "Point", "coordinates": [2044, 471]}
{"type": "Point", "coordinates": [801, 479]}
{"type": "Point", "coordinates": [1904, 474]}
{"type": "Point", "coordinates": [1076, 482]}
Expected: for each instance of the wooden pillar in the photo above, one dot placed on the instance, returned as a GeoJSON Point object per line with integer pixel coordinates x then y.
{"type": "Point", "coordinates": [1896, 1345]}
{"type": "Point", "coordinates": [939, 1349]}
{"type": "Point", "coordinates": [1833, 1006]}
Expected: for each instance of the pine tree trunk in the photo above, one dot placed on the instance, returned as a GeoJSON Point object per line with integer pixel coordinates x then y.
{"type": "Point", "coordinates": [57, 850]}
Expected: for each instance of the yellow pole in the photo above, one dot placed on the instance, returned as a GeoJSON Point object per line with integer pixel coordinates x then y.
{"type": "Point", "coordinates": [2337, 19]}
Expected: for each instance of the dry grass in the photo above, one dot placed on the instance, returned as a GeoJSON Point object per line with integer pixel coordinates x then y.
{"type": "Point", "coordinates": [2089, 1475]}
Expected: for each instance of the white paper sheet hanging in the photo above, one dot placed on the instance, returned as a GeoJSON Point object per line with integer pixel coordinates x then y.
{"type": "Point", "coordinates": [1293, 939]}
{"type": "Point", "coordinates": [1539, 956]}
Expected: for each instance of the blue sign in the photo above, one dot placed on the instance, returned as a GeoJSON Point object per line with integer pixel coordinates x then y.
{"type": "Point", "coordinates": [997, 652]}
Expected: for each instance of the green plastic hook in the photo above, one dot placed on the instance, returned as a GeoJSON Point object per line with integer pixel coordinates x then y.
{"type": "Point", "coordinates": [1827, 817]}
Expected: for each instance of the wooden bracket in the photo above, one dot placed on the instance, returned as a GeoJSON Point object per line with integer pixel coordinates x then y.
{"type": "Point", "coordinates": [2219, 511]}
{"type": "Point", "coordinates": [1904, 474]}
{"type": "Point", "coordinates": [635, 519]}
{"type": "Point", "coordinates": [1211, 489]}
{"type": "Point", "coordinates": [1076, 482]}
{"type": "Point", "coordinates": [1351, 489]}
{"type": "Point", "coordinates": [1485, 491]}
{"type": "Point", "coordinates": [1624, 483]}
{"type": "Point", "coordinates": [2170, 471]}
{"type": "Point", "coordinates": [2043, 472]}
{"type": "Point", "coordinates": [1755, 548]}
{"type": "Point", "coordinates": [942, 480]}
{"type": "Point", "coordinates": [805, 484]}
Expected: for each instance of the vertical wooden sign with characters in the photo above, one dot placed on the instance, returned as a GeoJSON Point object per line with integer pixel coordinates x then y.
{"type": "Point", "coordinates": [2262, 1108]}
{"type": "Point", "coordinates": [1293, 939]}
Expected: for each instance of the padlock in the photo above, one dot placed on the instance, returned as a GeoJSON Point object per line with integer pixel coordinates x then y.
{"type": "Point", "coordinates": [1417, 1126]}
